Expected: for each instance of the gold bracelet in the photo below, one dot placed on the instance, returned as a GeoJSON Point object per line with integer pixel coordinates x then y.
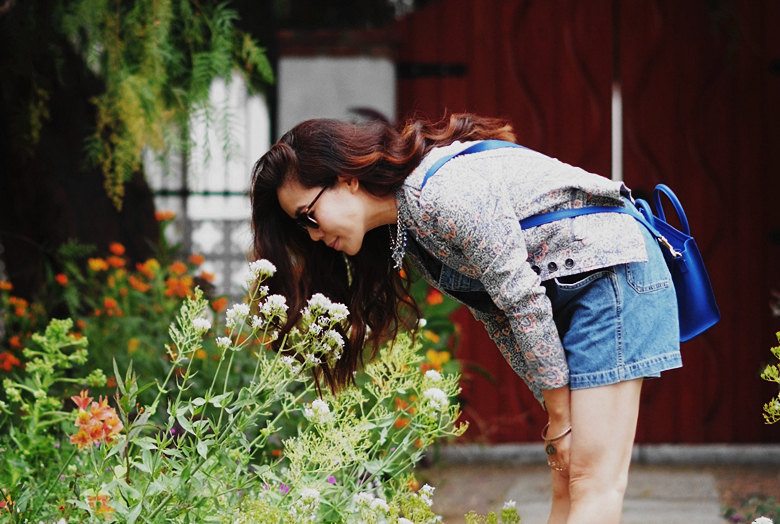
{"type": "Point", "coordinates": [548, 440]}
{"type": "Point", "coordinates": [549, 447]}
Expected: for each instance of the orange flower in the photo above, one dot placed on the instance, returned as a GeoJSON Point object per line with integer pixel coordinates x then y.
{"type": "Point", "coordinates": [437, 359]}
{"type": "Point", "coordinates": [7, 502]}
{"type": "Point", "coordinates": [111, 382]}
{"type": "Point", "coordinates": [434, 297]}
{"type": "Point", "coordinates": [401, 423]}
{"type": "Point", "coordinates": [132, 345]}
{"type": "Point", "coordinates": [149, 268]}
{"type": "Point", "coordinates": [62, 279]}
{"type": "Point", "coordinates": [276, 452]}
{"type": "Point", "coordinates": [116, 261]}
{"type": "Point", "coordinates": [82, 400]}
{"type": "Point", "coordinates": [19, 304]}
{"type": "Point", "coordinates": [402, 273]}
{"type": "Point", "coordinates": [123, 291]}
{"type": "Point", "coordinates": [96, 425]}
{"type": "Point", "coordinates": [138, 284]}
{"type": "Point", "coordinates": [178, 268]}
{"type": "Point", "coordinates": [413, 484]}
{"type": "Point", "coordinates": [99, 503]}
{"type": "Point", "coordinates": [81, 324]}
{"type": "Point", "coordinates": [201, 354]}
{"type": "Point", "coordinates": [196, 259]}
{"type": "Point", "coordinates": [97, 264]}
{"type": "Point", "coordinates": [8, 361]}
{"type": "Point", "coordinates": [430, 335]}
{"type": "Point", "coordinates": [220, 304]}
{"type": "Point", "coordinates": [178, 287]}
{"type": "Point", "coordinates": [208, 277]}
{"type": "Point", "coordinates": [164, 216]}
{"type": "Point", "coordinates": [15, 342]}
{"type": "Point", "coordinates": [116, 249]}
{"type": "Point", "coordinates": [109, 303]}
{"type": "Point", "coordinates": [6, 285]}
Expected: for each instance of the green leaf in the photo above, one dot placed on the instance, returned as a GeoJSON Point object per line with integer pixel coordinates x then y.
{"type": "Point", "coordinates": [220, 401]}
{"type": "Point", "coordinates": [184, 423]}
{"type": "Point", "coordinates": [120, 384]}
{"type": "Point", "coordinates": [134, 513]}
{"type": "Point", "coordinates": [203, 448]}
{"type": "Point", "coordinates": [147, 443]}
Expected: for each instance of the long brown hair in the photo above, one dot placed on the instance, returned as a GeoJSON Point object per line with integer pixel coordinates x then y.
{"type": "Point", "coordinates": [314, 153]}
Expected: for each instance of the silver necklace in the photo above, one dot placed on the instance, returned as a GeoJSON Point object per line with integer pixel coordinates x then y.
{"type": "Point", "coordinates": [398, 244]}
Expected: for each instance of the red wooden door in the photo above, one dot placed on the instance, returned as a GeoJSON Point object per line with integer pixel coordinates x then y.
{"type": "Point", "coordinates": [700, 109]}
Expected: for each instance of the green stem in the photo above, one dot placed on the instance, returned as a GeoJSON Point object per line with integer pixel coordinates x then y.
{"type": "Point", "coordinates": [52, 481]}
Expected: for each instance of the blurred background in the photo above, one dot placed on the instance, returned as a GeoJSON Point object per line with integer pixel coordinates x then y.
{"type": "Point", "coordinates": [681, 92]}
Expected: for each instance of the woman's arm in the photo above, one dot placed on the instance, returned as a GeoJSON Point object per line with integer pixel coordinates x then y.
{"type": "Point", "coordinates": [472, 227]}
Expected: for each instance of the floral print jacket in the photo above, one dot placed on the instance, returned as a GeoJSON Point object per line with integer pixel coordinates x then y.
{"type": "Point", "coordinates": [466, 240]}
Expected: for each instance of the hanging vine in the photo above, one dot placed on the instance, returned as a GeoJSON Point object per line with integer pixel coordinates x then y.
{"type": "Point", "coordinates": [157, 60]}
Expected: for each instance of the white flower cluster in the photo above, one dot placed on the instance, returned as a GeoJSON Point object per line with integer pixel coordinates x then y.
{"type": "Point", "coordinates": [291, 363]}
{"type": "Point", "coordinates": [433, 376]}
{"type": "Point", "coordinates": [236, 315]}
{"type": "Point", "coordinates": [436, 398]}
{"type": "Point", "coordinates": [201, 324]}
{"type": "Point", "coordinates": [261, 269]}
{"type": "Point", "coordinates": [223, 343]}
{"type": "Point", "coordinates": [319, 304]}
{"type": "Point", "coordinates": [366, 501]}
{"type": "Point", "coordinates": [318, 412]}
{"type": "Point", "coordinates": [510, 504]}
{"type": "Point", "coordinates": [305, 508]}
{"type": "Point", "coordinates": [274, 306]}
{"type": "Point", "coordinates": [763, 520]}
{"type": "Point", "coordinates": [426, 494]}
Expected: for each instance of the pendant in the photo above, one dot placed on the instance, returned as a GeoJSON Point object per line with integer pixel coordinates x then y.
{"type": "Point", "coordinates": [550, 449]}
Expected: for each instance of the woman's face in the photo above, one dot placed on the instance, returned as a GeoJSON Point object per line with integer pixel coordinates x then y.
{"type": "Point", "coordinates": [339, 211]}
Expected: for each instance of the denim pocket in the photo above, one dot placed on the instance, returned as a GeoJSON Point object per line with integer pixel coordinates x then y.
{"type": "Point", "coordinates": [574, 282]}
{"type": "Point", "coordinates": [646, 277]}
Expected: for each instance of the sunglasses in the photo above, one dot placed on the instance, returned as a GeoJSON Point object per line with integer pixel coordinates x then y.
{"type": "Point", "coordinates": [304, 218]}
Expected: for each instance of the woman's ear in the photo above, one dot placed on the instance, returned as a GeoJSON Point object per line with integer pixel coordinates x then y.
{"type": "Point", "coordinates": [352, 183]}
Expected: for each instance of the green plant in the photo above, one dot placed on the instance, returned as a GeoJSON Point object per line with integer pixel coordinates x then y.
{"type": "Point", "coordinates": [508, 515]}
{"type": "Point", "coordinates": [771, 373]}
{"type": "Point", "coordinates": [124, 311]}
{"type": "Point", "coordinates": [191, 456]}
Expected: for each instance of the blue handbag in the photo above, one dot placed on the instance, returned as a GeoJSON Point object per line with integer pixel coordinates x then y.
{"type": "Point", "coordinates": [696, 305]}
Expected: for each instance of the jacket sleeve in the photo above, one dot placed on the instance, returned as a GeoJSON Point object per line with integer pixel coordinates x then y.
{"type": "Point", "coordinates": [500, 332]}
{"type": "Point", "coordinates": [476, 231]}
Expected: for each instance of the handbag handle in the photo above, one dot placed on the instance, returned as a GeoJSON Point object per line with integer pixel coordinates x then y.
{"type": "Point", "coordinates": [659, 210]}
{"type": "Point", "coordinates": [644, 208]}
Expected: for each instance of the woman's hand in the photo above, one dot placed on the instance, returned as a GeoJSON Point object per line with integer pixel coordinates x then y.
{"type": "Point", "coordinates": [557, 433]}
{"type": "Point", "coordinates": [557, 445]}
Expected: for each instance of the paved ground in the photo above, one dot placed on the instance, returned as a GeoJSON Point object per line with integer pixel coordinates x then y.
{"type": "Point", "coordinates": [672, 492]}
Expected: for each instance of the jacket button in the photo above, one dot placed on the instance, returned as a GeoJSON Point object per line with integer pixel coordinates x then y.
{"type": "Point", "coordinates": [552, 266]}
{"type": "Point", "coordinates": [568, 263]}
{"type": "Point", "coordinates": [537, 269]}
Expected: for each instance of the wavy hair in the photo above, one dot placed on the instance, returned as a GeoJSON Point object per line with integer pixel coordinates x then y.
{"type": "Point", "coordinates": [314, 153]}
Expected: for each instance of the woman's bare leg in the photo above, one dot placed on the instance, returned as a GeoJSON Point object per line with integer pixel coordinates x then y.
{"type": "Point", "coordinates": [604, 425]}
{"type": "Point", "coordinates": [605, 420]}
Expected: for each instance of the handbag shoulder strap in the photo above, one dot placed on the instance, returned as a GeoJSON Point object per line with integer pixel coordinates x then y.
{"type": "Point", "coordinates": [546, 218]}
{"type": "Point", "coordinates": [482, 145]}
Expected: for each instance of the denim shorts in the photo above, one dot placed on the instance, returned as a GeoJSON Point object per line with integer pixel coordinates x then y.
{"type": "Point", "coordinates": [618, 323]}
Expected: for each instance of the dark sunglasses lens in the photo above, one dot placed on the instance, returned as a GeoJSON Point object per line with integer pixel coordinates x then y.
{"type": "Point", "coordinates": [305, 221]}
